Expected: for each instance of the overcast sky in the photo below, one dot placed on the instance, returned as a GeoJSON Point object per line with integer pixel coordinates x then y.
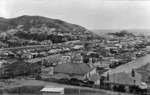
{"type": "Point", "coordinates": [91, 14]}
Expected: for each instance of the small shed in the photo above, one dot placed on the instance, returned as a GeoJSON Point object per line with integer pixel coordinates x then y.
{"type": "Point", "coordinates": [47, 90]}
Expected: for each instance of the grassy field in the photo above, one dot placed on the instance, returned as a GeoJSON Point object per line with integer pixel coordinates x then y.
{"type": "Point", "coordinates": [23, 82]}
{"type": "Point", "coordinates": [14, 83]}
{"type": "Point", "coordinates": [33, 87]}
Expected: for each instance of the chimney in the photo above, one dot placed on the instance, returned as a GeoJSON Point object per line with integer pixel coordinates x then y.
{"type": "Point", "coordinates": [51, 72]}
{"type": "Point", "coordinates": [90, 62]}
{"type": "Point", "coordinates": [133, 73]}
{"type": "Point", "coordinates": [107, 76]}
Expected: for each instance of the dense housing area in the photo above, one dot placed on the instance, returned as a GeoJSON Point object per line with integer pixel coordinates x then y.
{"type": "Point", "coordinates": [53, 51]}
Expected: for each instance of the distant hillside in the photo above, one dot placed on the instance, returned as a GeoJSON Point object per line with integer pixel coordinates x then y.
{"type": "Point", "coordinates": [37, 21]}
{"type": "Point", "coordinates": [134, 31]}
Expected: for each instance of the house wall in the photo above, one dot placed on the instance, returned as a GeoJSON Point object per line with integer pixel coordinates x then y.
{"type": "Point", "coordinates": [66, 59]}
{"type": "Point", "coordinates": [62, 92]}
{"type": "Point", "coordinates": [53, 93]}
{"type": "Point", "coordinates": [90, 73]}
{"type": "Point", "coordinates": [26, 56]}
{"type": "Point", "coordinates": [50, 93]}
{"type": "Point", "coordinates": [97, 82]}
{"type": "Point", "coordinates": [48, 71]}
{"type": "Point", "coordinates": [137, 78]}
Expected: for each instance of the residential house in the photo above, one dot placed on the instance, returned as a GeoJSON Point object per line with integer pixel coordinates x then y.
{"type": "Point", "coordinates": [78, 70]}
{"type": "Point", "coordinates": [66, 58]}
{"type": "Point", "coordinates": [76, 58]}
{"type": "Point", "coordinates": [43, 54]}
{"type": "Point", "coordinates": [3, 35]}
{"type": "Point", "coordinates": [95, 78]}
{"type": "Point", "coordinates": [61, 75]}
{"type": "Point", "coordinates": [123, 75]}
{"type": "Point", "coordinates": [137, 63]}
{"type": "Point", "coordinates": [47, 71]}
{"type": "Point", "coordinates": [66, 49]}
{"type": "Point", "coordinates": [123, 79]}
{"type": "Point", "coordinates": [4, 53]}
{"type": "Point", "coordinates": [77, 47]}
{"type": "Point", "coordinates": [118, 45]}
{"type": "Point", "coordinates": [53, 51]}
{"type": "Point", "coordinates": [147, 49]}
{"type": "Point", "coordinates": [34, 54]}
{"type": "Point", "coordinates": [103, 63]}
{"type": "Point", "coordinates": [1, 63]}
{"type": "Point", "coordinates": [27, 56]}
{"type": "Point", "coordinates": [144, 71]}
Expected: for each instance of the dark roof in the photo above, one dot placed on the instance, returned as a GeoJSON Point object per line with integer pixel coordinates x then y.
{"type": "Point", "coordinates": [61, 75]}
{"type": "Point", "coordinates": [73, 68]}
{"type": "Point", "coordinates": [145, 72]}
{"type": "Point", "coordinates": [120, 78]}
{"type": "Point", "coordinates": [145, 67]}
{"type": "Point", "coordinates": [78, 77]}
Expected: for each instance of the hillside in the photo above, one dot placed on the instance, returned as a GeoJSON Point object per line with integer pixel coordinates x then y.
{"type": "Point", "coordinates": [38, 21]}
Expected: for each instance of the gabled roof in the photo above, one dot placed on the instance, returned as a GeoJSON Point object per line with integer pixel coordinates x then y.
{"type": "Point", "coordinates": [120, 78]}
{"type": "Point", "coordinates": [73, 68]}
{"type": "Point", "coordinates": [76, 59]}
{"type": "Point", "coordinates": [145, 72]}
{"type": "Point", "coordinates": [61, 75]}
{"type": "Point", "coordinates": [94, 77]}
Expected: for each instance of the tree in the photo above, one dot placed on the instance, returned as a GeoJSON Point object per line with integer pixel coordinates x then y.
{"type": "Point", "coordinates": [102, 78]}
{"type": "Point", "coordinates": [133, 73]}
{"type": "Point", "coordinates": [87, 46]}
{"type": "Point", "coordinates": [86, 60]}
{"type": "Point", "coordinates": [21, 68]}
{"type": "Point", "coordinates": [121, 88]}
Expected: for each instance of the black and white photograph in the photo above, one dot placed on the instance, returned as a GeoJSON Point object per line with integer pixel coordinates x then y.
{"type": "Point", "coordinates": [74, 47]}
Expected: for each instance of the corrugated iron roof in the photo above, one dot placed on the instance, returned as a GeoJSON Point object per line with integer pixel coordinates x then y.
{"type": "Point", "coordinates": [73, 68]}
{"type": "Point", "coordinates": [52, 89]}
{"type": "Point", "coordinates": [121, 78]}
